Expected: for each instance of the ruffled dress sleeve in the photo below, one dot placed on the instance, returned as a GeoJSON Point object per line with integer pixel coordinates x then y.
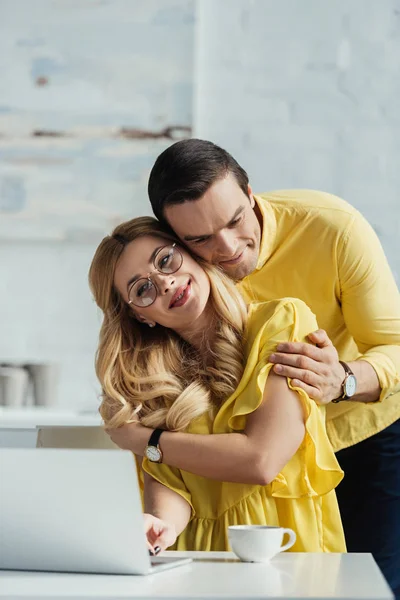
{"type": "Point", "coordinates": [313, 470]}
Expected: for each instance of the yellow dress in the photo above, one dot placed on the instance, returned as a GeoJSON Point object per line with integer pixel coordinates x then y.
{"type": "Point", "coordinates": [303, 495]}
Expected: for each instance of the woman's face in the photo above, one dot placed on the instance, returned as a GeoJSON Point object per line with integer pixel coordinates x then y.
{"type": "Point", "coordinates": [179, 298]}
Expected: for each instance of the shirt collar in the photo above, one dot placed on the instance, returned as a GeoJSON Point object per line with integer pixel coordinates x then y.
{"type": "Point", "coordinates": [268, 235]}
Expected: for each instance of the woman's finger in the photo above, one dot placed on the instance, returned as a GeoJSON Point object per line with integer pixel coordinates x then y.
{"type": "Point", "coordinates": [152, 534]}
{"type": "Point", "coordinates": [150, 548]}
{"type": "Point", "coordinates": [165, 539]}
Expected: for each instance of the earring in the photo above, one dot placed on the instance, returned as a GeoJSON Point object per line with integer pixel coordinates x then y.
{"type": "Point", "coordinates": [151, 324]}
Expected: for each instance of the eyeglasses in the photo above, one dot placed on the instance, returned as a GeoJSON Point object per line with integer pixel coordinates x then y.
{"type": "Point", "coordinates": [144, 292]}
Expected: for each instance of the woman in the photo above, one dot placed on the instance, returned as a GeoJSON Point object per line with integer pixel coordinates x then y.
{"type": "Point", "coordinates": [179, 352]}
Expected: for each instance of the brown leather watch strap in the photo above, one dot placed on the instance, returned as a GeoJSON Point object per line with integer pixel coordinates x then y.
{"type": "Point", "coordinates": [348, 372]}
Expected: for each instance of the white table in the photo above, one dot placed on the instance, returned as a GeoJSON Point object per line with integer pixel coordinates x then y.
{"type": "Point", "coordinates": [20, 428]}
{"type": "Point", "coordinates": [216, 575]}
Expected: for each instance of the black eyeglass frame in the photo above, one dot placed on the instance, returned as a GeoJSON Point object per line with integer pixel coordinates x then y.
{"type": "Point", "coordinates": [175, 250]}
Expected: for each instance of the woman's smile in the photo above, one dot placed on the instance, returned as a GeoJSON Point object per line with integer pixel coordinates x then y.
{"type": "Point", "coordinates": [181, 295]}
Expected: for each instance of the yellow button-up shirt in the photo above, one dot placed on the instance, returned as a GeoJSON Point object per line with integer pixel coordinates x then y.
{"type": "Point", "coordinates": [318, 248]}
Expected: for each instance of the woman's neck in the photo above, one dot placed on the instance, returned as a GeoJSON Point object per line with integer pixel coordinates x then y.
{"type": "Point", "coordinates": [201, 332]}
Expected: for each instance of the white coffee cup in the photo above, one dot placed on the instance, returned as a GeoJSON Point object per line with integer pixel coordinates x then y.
{"type": "Point", "coordinates": [258, 543]}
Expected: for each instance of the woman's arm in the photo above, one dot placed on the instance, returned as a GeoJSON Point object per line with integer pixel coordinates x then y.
{"type": "Point", "coordinates": [166, 513]}
{"type": "Point", "coordinates": [272, 436]}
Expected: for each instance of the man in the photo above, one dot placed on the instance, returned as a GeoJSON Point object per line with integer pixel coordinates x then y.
{"type": "Point", "coordinates": [316, 247]}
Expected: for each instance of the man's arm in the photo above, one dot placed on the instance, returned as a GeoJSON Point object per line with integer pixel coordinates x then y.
{"type": "Point", "coordinates": [370, 304]}
{"type": "Point", "coordinates": [272, 436]}
{"type": "Point", "coordinates": [315, 368]}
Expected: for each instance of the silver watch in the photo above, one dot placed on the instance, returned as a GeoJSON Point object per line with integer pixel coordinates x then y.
{"type": "Point", "coordinates": [153, 451]}
{"type": "Point", "coordinates": [349, 385]}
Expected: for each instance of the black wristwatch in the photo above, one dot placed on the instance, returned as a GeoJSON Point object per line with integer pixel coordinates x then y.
{"type": "Point", "coordinates": [349, 385]}
{"type": "Point", "coordinates": [153, 450]}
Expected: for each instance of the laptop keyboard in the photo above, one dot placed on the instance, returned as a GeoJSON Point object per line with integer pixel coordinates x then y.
{"type": "Point", "coordinates": [161, 560]}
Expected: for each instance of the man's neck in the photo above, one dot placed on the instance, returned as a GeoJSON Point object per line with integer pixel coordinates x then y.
{"type": "Point", "coordinates": [259, 218]}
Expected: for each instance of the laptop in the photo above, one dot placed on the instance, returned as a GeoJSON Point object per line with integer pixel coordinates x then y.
{"type": "Point", "coordinates": [73, 510]}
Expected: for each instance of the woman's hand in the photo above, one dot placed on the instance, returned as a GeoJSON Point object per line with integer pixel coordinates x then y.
{"type": "Point", "coordinates": [160, 535]}
{"type": "Point", "coordinates": [133, 437]}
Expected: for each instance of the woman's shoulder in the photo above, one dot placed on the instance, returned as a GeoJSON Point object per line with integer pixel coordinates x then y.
{"type": "Point", "coordinates": [267, 319]}
{"type": "Point", "coordinates": [276, 311]}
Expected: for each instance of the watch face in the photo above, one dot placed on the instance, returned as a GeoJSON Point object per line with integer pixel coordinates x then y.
{"type": "Point", "coordinates": [153, 453]}
{"type": "Point", "coordinates": [350, 386]}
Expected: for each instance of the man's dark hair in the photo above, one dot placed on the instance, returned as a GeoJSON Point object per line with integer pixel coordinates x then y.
{"type": "Point", "coordinates": [186, 170]}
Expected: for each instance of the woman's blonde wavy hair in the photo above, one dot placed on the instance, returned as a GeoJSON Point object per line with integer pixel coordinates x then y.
{"type": "Point", "coordinates": [152, 375]}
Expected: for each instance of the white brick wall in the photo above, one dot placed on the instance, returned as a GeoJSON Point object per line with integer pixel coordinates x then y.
{"type": "Point", "coordinates": [47, 313]}
{"type": "Point", "coordinates": [306, 94]}
{"type": "Point", "coordinates": [79, 72]}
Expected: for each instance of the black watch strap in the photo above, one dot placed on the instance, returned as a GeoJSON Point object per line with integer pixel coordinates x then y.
{"type": "Point", "coordinates": [155, 437]}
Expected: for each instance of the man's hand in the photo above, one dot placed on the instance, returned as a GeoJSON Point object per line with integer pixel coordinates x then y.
{"type": "Point", "coordinates": [160, 535]}
{"type": "Point", "coordinates": [133, 437]}
{"type": "Point", "coordinates": [314, 368]}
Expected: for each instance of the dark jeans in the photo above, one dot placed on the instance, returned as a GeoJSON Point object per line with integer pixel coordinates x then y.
{"type": "Point", "coordinates": [369, 500]}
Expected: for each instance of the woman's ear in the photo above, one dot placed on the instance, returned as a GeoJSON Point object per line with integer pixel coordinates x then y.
{"type": "Point", "coordinates": [143, 319]}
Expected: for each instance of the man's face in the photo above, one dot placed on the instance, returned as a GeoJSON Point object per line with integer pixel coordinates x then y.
{"type": "Point", "coordinates": [221, 227]}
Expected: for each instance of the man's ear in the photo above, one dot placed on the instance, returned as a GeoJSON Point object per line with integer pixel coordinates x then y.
{"type": "Point", "coordinates": [250, 194]}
